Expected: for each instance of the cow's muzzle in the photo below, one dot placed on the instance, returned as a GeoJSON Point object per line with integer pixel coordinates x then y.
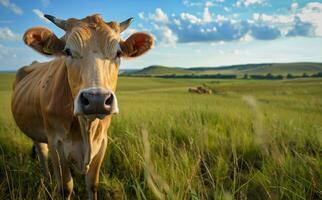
{"type": "Point", "coordinates": [96, 102]}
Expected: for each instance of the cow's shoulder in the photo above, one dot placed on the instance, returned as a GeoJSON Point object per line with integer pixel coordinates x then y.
{"type": "Point", "coordinates": [25, 70]}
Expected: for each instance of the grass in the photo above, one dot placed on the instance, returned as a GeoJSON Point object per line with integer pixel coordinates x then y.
{"type": "Point", "coordinates": [250, 140]}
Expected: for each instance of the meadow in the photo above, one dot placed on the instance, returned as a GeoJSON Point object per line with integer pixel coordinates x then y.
{"type": "Point", "coordinates": [251, 139]}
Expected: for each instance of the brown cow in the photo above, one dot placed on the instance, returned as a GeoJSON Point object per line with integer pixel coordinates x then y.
{"type": "Point", "coordinates": [65, 105]}
{"type": "Point", "coordinates": [200, 90]}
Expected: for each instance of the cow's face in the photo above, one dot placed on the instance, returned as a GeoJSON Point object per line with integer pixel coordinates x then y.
{"type": "Point", "coordinates": [93, 50]}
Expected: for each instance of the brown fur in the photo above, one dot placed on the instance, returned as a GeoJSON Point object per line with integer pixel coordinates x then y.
{"type": "Point", "coordinates": [44, 95]}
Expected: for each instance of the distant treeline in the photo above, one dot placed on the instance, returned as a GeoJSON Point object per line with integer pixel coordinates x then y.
{"type": "Point", "coordinates": [290, 76]}
{"type": "Point", "coordinates": [268, 76]}
{"type": "Point", "coordinates": [203, 76]}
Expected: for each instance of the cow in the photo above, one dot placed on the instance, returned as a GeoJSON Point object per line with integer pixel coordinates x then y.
{"type": "Point", "coordinates": [193, 90]}
{"type": "Point", "coordinates": [200, 90]}
{"type": "Point", "coordinates": [65, 105]}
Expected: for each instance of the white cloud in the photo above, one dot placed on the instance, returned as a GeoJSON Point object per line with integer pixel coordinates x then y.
{"type": "Point", "coordinates": [220, 18]}
{"type": "Point", "coordinates": [177, 22]}
{"type": "Point", "coordinates": [159, 16]}
{"type": "Point", "coordinates": [294, 6]}
{"type": "Point", "coordinates": [209, 4]}
{"type": "Point", "coordinates": [191, 4]}
{"type": "Point", "coordinates": [206, 15]}
{"type": "Point", "coordinates": [166, 36]}
{"type": "Point", "coordinates": [247, 37]}
{"type": "Point", "coordinates": [190, 18]}
{"type": "Point", "coordinates": [217, 43]}
{"type": "Point", "coordinates": [312, 13]}
{"type": "Point", "coordinates": [275, 20]}
{"type": "Point", "coordinates": [128, 32]}
{"type": "Point", "coordinates": [7, 34]}
{"type": "Point", "coordinates": [40, 15]}
{"type": "Point", "coordinates": [11, 6]}
{"type": "Point", "coordinates": [141, 15]}
{"type": "Point", "coordinates": [227, 9]}
{"type": "Point", "coordinates": [247, 3]}
{"type": "Point", "coordinates": [205, 26]}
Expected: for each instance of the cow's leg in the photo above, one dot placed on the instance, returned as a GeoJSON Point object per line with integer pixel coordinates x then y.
{"type": "Point", "coordinates": [42, 151]}
{"type": "Point", "coordinates": [92, 176]}
{"type": "Point", "coordinates": [62, 171]}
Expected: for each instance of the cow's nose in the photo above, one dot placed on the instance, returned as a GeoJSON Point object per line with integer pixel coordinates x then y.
{"type": "Point", "coordinates": [96, 102]}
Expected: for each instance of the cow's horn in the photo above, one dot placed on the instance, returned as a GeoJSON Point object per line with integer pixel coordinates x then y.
{"type": "Point", "coordinates": [58, 22]}
{"type": "Point", "coordinates": [124, 25]}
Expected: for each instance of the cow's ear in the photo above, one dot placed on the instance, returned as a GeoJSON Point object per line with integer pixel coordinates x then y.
{"type": "Point", "coordinates": [44, 41]}
{"type": "Point", "coordinates": [136, 45]}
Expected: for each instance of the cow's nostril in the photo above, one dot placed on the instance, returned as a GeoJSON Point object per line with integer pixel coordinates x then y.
{"type": "Point", "coordinates": [84, 100]}
{"type": "Point", "coordinates": [109, 100]}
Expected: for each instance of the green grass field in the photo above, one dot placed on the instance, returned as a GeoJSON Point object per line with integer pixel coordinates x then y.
{"type": "Point", "coordinates": [249, 140]}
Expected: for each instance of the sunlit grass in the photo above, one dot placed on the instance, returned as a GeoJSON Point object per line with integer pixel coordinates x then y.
{"type": "Point", "coordinates": [250, 140]}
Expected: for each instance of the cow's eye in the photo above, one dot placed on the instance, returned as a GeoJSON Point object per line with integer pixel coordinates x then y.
{"type": "Point", "coordinates": [68, 52]}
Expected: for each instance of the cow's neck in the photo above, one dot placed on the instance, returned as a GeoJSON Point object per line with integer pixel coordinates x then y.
{"type": "Point", "coordinates": [93, 132]}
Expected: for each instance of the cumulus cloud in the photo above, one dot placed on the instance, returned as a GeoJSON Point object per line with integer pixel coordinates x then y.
{"type": "Point", "coordinates": [209, 4]}
{"type": "Point", "coordinates": [165, 36]}
{"type": "Point", "coordinates": [40, 15]}
{"type": "Point", "coordinates": [312, 13]}
{"type": "Point", "coordinates": [305, 21]}
{"type": "Point", "coordinates": [11, 6]}
{"type": "Point", "coordinates": [301, 28]}
{"type": "Point", "coordinates": [190, 18]}
{"type": "Point", "coordinates": [294, 6]}
{"type": "Point", "coordinates": [190, 3]}
{"type": "Point", "coordinates": [247, 3]}
{"type": "Point", "coordinates": [247, 37]}
{"type": "Point", "coordinates": [141, 15]}
{"type": "Point", "coordinates": [159, 16]}
{"type": "Point", "coordinates": [227, 9]}
{"type": "Point", "coordinates": [7, 34]}
{"type": "Point", "coordinates": [206, 15]}
{"type": "Point", "coordinates": [207, 27]}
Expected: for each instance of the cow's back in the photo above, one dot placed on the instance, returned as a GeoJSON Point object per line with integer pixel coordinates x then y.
{"type": "Point", "coordinates": [34, 83]}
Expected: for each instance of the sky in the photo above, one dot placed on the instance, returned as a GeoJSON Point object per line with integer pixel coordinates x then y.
{"type": "Point", "coordinates": [187, 33]}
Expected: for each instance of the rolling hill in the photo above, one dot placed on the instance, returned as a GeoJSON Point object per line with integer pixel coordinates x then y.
{"type": "Point", "coordinates": [263, 68]}
{"type": "Point", "coordinates": [162, 70]}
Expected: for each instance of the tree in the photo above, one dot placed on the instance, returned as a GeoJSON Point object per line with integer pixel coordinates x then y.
{"type": "Point", "coordinates": [269, 76]}
{"type": "Point", "coordinates": [289, 76]}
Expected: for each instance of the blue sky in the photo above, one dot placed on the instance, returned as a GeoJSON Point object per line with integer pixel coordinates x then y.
{"type": "Point", "coordinates": [188, 33]}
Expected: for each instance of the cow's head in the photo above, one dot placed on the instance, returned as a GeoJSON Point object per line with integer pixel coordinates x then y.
{"type": "Point", "coordinates": [93, 50]}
